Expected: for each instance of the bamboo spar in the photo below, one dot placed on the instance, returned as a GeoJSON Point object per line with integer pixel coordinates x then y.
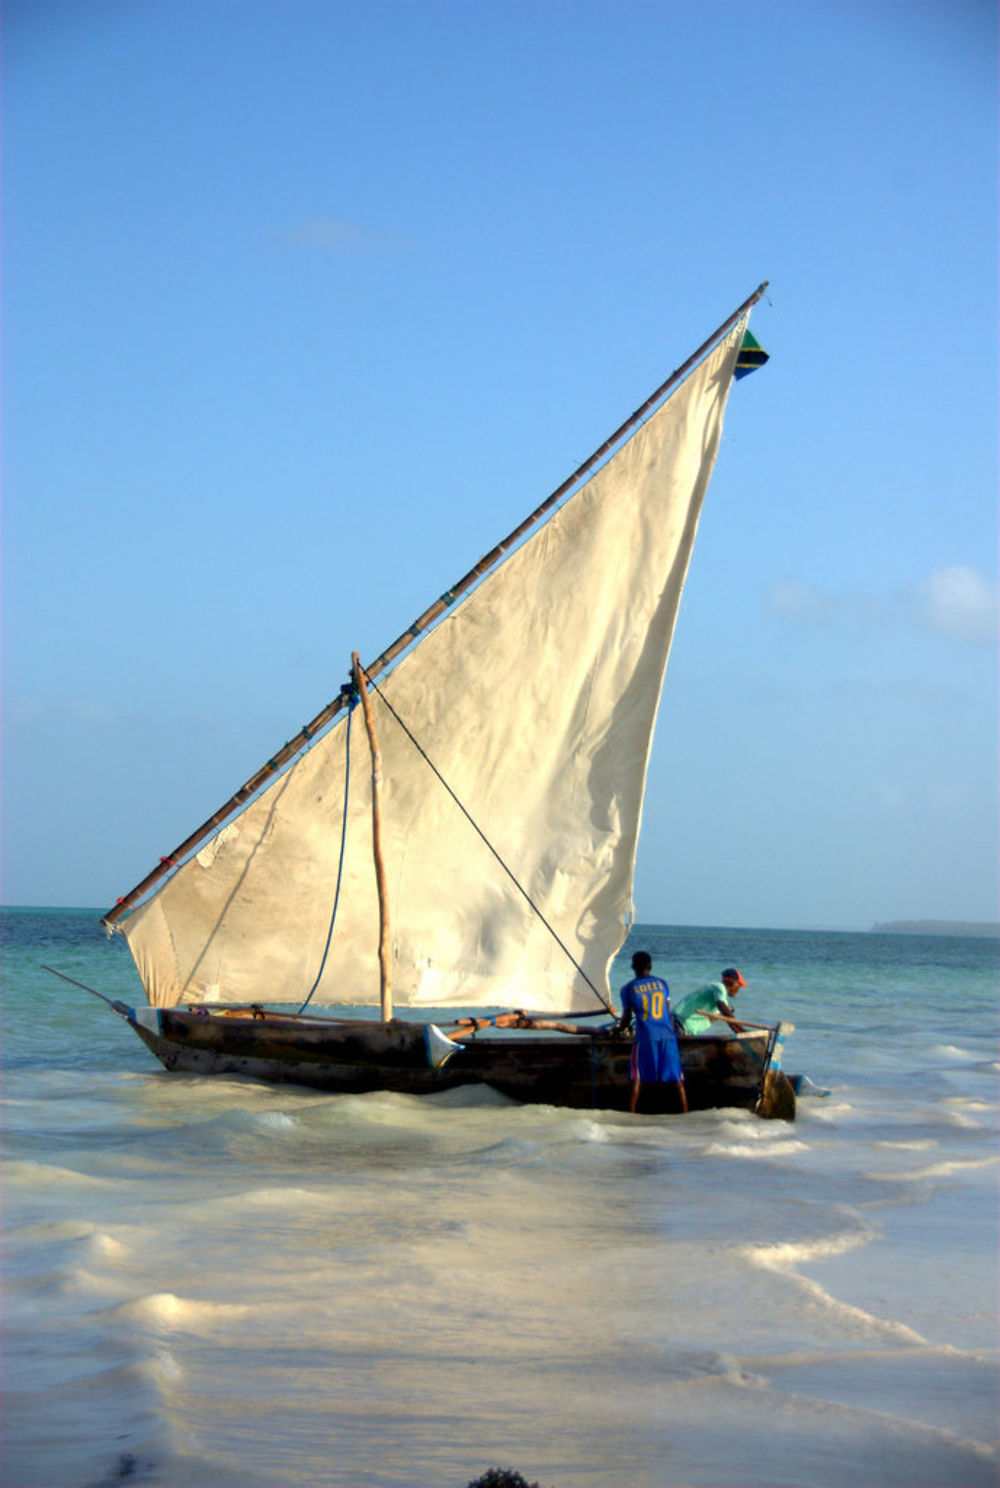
{"type": "Point", "coordinates": [326, 715]}
{"type": "Point", "coordinates": [384, 938]}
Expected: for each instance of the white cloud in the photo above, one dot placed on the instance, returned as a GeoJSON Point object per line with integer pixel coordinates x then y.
{"type": "Point", "coordinates": [957, 602]}
{"type": "Point", "coordinates": [322, 234]}
{"type": "Point", "coordinates": [805, 604]}
{"type": "Point", "coordinates": [29, 711]}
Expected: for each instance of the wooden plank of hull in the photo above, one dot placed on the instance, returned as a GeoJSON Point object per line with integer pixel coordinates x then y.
{"type": "Point", "coordinates": [359, 1056]}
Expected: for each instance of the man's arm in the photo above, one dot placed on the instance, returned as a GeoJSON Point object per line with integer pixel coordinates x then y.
{"type": "Point", "coordinates": [728, 1012]}
{"type": "Point", "coordinates": [625, 1021]}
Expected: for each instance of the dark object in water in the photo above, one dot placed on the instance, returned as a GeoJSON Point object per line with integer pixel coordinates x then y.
{"type": "Point", "coordinates": [501, 1477]}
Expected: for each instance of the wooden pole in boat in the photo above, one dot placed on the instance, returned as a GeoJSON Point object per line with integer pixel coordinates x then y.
{"type": "Point", "coordinates": [282, 756]}
{"type": "Point", "coordinates": [721, 1018]}
{"type": "Point", "coordinates": [384, 939]}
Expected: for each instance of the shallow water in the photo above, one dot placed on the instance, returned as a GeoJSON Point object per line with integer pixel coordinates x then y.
{"type": "Point", "coordinates": [211, 1282]}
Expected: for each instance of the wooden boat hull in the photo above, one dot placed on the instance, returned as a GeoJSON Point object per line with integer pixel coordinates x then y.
{"type": "Point", "coordinates": [352, 1057]}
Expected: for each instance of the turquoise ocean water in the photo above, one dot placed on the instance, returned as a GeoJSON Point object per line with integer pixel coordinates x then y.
{"type": "Point", "coordinates": [209, 1282]}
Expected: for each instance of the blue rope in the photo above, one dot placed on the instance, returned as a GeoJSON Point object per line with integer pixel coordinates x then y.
{"type": "Point", "coordinates": [343, 843]}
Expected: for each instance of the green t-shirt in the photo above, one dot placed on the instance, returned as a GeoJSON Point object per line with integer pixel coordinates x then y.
{"type": "Point", "coordinates": [713, 998]}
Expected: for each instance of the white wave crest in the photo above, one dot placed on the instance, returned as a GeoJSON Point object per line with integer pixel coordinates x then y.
{"type": "Point", "coordinates": [165, 1310]}
{"type": "Point", "coordinates": [786, 1257]}
{"type": "Point", "coordinates": [741, 1149]}
{"type": "Point", "coordinates": [936, 1170]}
{"type": "Point", "coordinates": [101, 1246]}
{"type": "Point", "coordinates": [788, 1254]}
{"type": "Point", "coordinates": [920, 1146]}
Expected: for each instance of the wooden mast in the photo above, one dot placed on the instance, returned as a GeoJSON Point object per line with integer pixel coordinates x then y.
{"type": "Point", "coordinates": [384, 937]}
{"type": "Point", "coordinates": [309, 731]}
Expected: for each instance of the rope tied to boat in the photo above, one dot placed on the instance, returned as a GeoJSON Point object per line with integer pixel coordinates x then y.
{"type": "Point", "coordinates": [352, 703]}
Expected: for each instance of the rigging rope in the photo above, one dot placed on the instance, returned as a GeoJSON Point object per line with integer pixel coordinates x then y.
{"type": "Point", "coordinates": [487, 843]}
{"type": "Point", "coordinates": [352, 704]}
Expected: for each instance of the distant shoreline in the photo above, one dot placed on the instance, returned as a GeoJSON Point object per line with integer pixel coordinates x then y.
{"type": "Point", "coordinates": [989, 928]}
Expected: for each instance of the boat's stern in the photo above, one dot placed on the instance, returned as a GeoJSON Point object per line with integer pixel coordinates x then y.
{"type": "Point", "coordinates": [777, 1093]}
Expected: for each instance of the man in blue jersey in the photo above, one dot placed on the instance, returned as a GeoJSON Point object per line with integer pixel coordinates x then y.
{"type": "Point", "coordinates": [656, 1058]}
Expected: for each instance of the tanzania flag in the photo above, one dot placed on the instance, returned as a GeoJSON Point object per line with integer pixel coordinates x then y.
{"type": "Point", "coordinates": [752, 355]}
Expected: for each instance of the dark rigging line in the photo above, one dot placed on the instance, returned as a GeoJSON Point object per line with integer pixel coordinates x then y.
{"type": "Point", "coordinates": [487, 843]}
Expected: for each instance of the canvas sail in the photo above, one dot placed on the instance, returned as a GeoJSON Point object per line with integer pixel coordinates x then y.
{"type": "Point", "coordinates": [535, 699]}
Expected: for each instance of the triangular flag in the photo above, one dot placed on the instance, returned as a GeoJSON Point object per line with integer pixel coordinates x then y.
{"type": "Point", "coordinates": [752, 355]}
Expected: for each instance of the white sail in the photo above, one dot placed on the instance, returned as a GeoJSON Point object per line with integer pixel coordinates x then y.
{"type": "Point", "coordinates": [535, 699]}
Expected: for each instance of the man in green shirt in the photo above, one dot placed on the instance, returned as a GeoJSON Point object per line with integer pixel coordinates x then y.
{"type": "Point", "coordinates": [715, 998]}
